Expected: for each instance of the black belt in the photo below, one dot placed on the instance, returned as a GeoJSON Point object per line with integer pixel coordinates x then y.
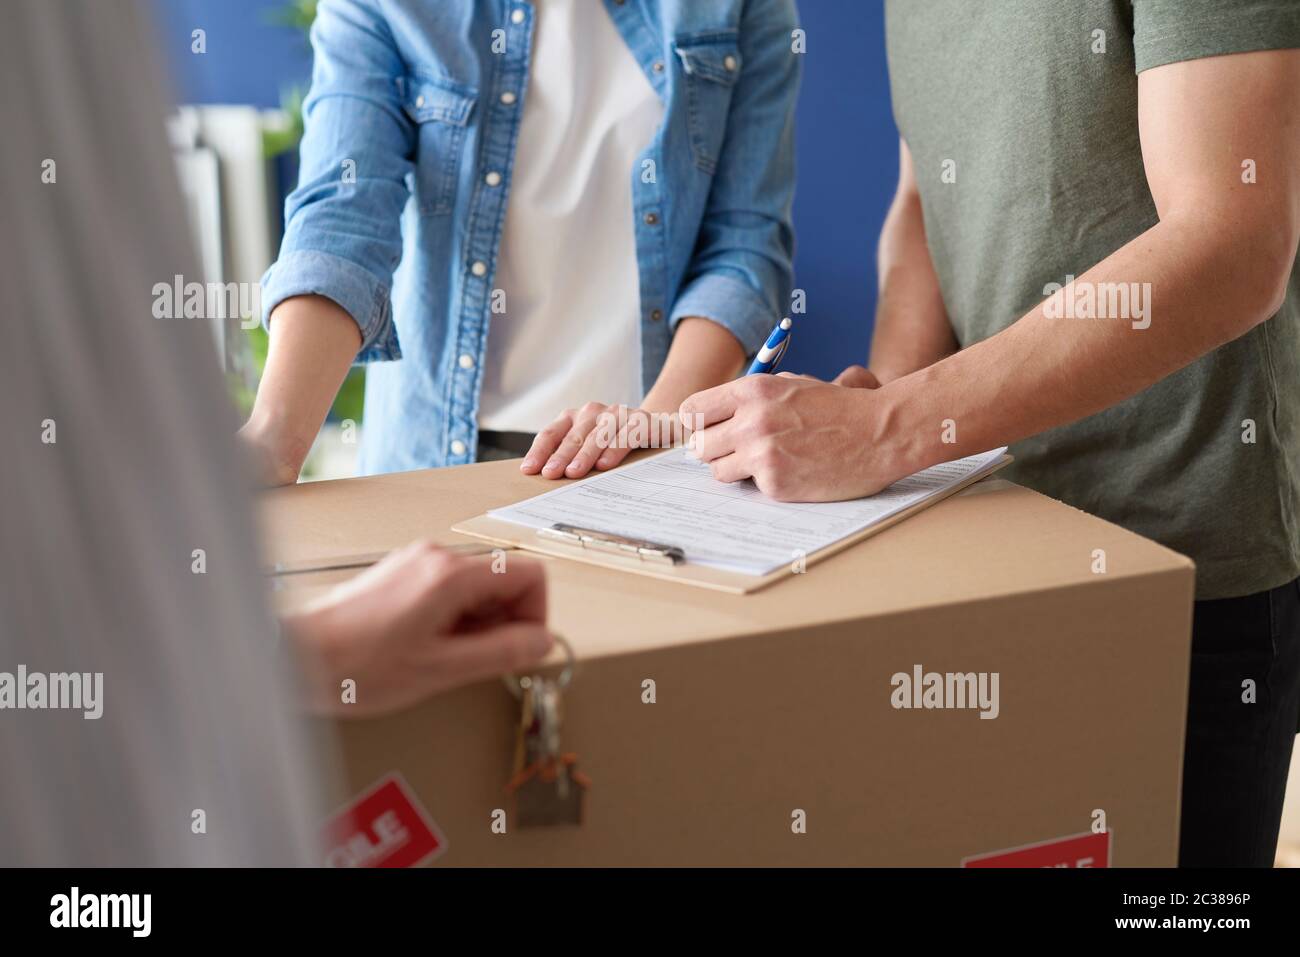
{"type": "Point", "coordinates": [516, 443]}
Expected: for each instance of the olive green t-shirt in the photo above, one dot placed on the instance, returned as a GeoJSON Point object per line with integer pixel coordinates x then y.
{"type": "Point", "coordinates": [1022, 121]}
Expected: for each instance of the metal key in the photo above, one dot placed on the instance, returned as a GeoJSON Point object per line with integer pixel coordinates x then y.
{"type": "Point", "coordinates": [547, 786]}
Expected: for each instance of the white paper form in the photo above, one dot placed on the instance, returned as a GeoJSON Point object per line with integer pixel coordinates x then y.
{"type": "Point", "coordinates": [672, 499]}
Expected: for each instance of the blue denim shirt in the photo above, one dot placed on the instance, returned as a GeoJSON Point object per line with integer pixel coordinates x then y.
{"type": "Point", "coordinates": [414, 102]}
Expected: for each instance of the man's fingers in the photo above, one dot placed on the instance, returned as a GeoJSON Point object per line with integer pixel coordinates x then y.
{"type": "Point", "coordinates": [547, 441]}
{"type": "Point", "coordinates": [712, 405]}
{"type": "Point", "coordinates": [463, 659]}
{"type": "Point", "coordinates": [857, 377]}
{"type": "Point", "coordinates": [729, 468]}
{"type": "Point", "coordinates": [715, 441]}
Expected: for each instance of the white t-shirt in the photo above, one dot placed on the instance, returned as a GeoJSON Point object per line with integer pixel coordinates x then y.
{"type": "Point", "coordinates": [570, 333]}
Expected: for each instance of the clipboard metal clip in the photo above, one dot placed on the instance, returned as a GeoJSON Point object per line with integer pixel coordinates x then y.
{"type": "Point", "coordinates": [621, 545]}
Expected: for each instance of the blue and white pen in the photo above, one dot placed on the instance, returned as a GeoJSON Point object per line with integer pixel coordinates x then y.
{"type": "Point", "coordinates": [769, 357]}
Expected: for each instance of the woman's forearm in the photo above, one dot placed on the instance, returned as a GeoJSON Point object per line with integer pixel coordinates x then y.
{"type": "Point", "coordinates": [313, 343]}
{"type": "Point", "coordinates": [703, 354]}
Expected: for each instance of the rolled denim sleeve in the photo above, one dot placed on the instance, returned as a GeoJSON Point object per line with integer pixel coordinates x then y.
{"type": "Point", "coordinates": [362, 295]}
{"type": "Point", "coordinates": [343, 221]}
{"type": "Point", "coordinates": [741, 272]}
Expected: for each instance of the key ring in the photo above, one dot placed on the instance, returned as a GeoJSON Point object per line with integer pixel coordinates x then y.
{"type": "Point", "coordinates": [517, 685]}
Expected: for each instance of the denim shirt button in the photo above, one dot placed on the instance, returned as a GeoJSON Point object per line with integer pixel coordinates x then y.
{"type": "Point", "coordinates": [651, 219]}
{"type": "Point", "coordinates": [466, 361]}
{"type": "Point", "coordinates": [457, 447]}
{"type": "Point", "coordinates": [493, 178]}
{"type": "Point", "coordinates": [656, 315]}
{"type": "Point", "coordinates": [479, 268]}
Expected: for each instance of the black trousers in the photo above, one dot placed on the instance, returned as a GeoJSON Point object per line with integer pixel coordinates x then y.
{"type": "Point", "coordinates": [1238, 751]}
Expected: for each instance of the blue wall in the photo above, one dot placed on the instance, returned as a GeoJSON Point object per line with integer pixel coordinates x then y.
{"type": "Point", "coordinates": [847, 171]}
{"type": "Point", "coordinates": [250, 57]}
{"type": "Point", "coordinates": [848, 146]}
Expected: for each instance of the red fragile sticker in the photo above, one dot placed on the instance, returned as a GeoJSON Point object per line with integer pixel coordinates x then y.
{"type": "Point", "coordinates": [384, 827]}
{"type": "Point", "coordinates": [1077, 850]}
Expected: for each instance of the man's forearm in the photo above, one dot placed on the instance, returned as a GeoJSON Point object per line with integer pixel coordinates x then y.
{"type": "Point", "coordinates": [703, 354]}
{"type": "Point", "coordinates": [313, 343]}
{"type": "Point", "coordinates": [1207, 287]}
{"type": "Point", "coordinates": [1216, 264]}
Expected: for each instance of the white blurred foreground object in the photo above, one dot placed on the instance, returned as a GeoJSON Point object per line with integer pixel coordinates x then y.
{"type": "Point", "coordinates": [128, 548]}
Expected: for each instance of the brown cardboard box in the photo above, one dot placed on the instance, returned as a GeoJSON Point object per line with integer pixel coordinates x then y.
{"type": "Point", "coordinates": [782, 702]}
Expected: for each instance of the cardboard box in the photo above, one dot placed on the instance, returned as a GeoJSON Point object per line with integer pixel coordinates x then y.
{"type": "Point", "coordinates": [781, 707]}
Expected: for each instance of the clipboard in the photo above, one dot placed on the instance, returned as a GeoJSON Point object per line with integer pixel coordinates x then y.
{"type": "Point", "coordinates": [657, 559]}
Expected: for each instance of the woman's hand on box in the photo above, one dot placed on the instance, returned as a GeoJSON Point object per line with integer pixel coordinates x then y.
{"type": "Point", "coordinates": [422, 621]}
{"type": "Point", "coordinates": [597, 436]}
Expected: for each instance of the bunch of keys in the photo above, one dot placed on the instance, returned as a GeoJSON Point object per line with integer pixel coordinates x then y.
{"type": "Point", "coordinates": [547, 785]}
